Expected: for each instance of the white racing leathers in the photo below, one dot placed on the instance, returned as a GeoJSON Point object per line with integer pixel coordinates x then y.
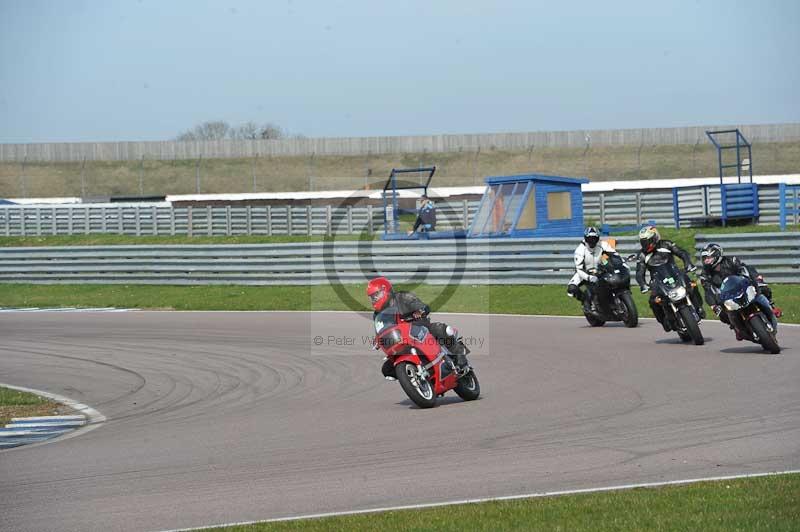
{"type": "Point", "coordinates": [587, 260]}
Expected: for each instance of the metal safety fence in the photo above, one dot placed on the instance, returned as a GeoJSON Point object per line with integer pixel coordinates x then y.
{"type": "Point", "coordinates": [478, 261]}
{"type": "Point", "coordinates": [225, 220]}
{"type": "Point", "coordinates": [693, 205]}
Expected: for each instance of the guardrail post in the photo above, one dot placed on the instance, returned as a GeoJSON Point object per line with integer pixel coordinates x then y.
{"type": "Point", "coordinates": [249, 217]}
{"type": "Point", "coordinates": [349, 219]}
{"type": "Point", "coordinates": [602, 208]}
{"type": "Point", "coordinates": [138, 214]}
{"type": "Point", "coordinates": [104, 222]}
{"type": "Point", "coordinates": [465, 207]}
{"type": "Point", "coordinates": [308, 219]}
{"type": "Point", "coordinates": [782, 205]}
{"type": "Point", "coordinates": [38, 221]}
{"type": "Point", "coordinates": [155, 220]}
{"type": "Point", "coordinates": [794, 204]}
{"type": "Point", "coordinates": [228, 220]}
{"type": "Point", "coordinates": [209, 220]}
{"type": "Point", "coordinates": [269, 220]}
{"type": "Point", "coordinates": [328, 220]}
{"type": "Point", "coordinates": [190, 220]}
{"type": "Point", "coordinates": [289, 223]}
{"type": "Point", "coordinates": [676, 208]}
{"type": "Point", "coordinates": [7, 215]}
{"type": "Point", "coordinates": [639, 208]}
{"type": "Point", "coordinates": [120, 227]}
{"type": "Point", "coordinates": [54, 221]}
{"type": "Point", "coordinates": [172, 221]}
{"type": "Point", "coordinates": [370, 227]}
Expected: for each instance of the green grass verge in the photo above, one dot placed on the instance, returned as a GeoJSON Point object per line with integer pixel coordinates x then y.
{"type": "Point", "coordinates": [14, 403]}
{"type": "Point", "coordinates": [500, 299]}
{"type": "Point", "coordinates": [763, 503]}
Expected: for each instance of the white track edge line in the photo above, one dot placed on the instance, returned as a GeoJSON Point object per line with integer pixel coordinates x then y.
{"type": "Point", "coordinates": [95, 417]}
{"type": "Point", "coordinates": [490, 314]}
{"type": "Point", "coordinates": [494, 499]}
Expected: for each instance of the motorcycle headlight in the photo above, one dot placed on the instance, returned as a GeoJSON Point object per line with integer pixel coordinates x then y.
{"type": "Point", "coordinates": [751, 293]}
{"type": "Point", "coordinates": [677, 293]}
{"type": "Point", "coordinates": [731, 305]}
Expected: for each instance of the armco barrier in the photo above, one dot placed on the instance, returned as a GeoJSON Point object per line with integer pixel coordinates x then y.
{"type": "Point", "coordinates": [619, 207]}
{"type": "Point", "coordinates": [773, 254]}
{"type": "Point", "coordinates": [163, 219]}
{"type": "Point", "coordinates": [479, 261]}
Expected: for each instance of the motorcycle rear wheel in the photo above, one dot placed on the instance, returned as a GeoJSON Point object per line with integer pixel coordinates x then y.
{"type": "Point", "coordinates": [468, 387]}
{"type": "Point", "coordinates": [692, 327]}
{"type": "Point", "coordinates": [420, 391]}
{"type": "Point", "coordinates": [631, 314]}
{"type": "Point", "coordinates": [765, 338]}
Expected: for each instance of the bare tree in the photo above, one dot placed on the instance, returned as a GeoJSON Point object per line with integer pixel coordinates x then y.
{"type": "Point", "coordinates": [216, 130]}
{"type": "Point", "coordinates": [271, 131]}
{"type": "Point", "coordinates": [211, 130]}
{"type": "Point", "coordinates": [247, 131]}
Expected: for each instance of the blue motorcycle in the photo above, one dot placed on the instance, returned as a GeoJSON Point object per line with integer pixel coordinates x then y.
{"type": "Point", "coordinates": [747, 313]}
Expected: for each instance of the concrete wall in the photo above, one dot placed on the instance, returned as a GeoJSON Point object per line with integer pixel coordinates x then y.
{"type": "Point", "coordinates": [130, 151]}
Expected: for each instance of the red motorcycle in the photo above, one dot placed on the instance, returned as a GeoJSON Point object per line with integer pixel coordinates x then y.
{"type": "Point", "coordinates": [424, 368]}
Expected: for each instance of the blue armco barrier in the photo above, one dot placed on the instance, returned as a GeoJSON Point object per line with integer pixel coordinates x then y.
{"type": "Point", "coordinates": [739, 200]}
{"type": "Point", "coordinates": [789, 198]}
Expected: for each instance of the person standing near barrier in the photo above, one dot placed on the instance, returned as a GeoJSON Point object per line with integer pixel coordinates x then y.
{"type": "Point", "coordinates": [426, 216]}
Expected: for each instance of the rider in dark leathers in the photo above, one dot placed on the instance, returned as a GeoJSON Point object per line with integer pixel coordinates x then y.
{"type": "Point", "coordinates": [716, 267]}
{"type": "Point", "coordinates": [413, 309]}
{"type": "Point", "coordinates": [652, 244]}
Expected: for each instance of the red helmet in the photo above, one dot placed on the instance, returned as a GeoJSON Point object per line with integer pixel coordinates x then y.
{"type": "Point", "coordinates": [379, 290]}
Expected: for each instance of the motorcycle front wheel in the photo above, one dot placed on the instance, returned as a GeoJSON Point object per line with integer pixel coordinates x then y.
{"type": "Point", "coordinates": [631, 317]}
{"type": "Point", "coordinates": [420, 391]}
{"type": "Point", "coordinates": [594, 321]}
{"type": "Point", "coordinates": [765, 338]}
{"type": "Point", "coordinates": [468, 387]}
{"type": "Point", "coordinates": [692, 327]}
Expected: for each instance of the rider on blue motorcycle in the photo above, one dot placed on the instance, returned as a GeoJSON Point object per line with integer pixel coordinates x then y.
{"type": "Point", "coordinates": [716, 267]}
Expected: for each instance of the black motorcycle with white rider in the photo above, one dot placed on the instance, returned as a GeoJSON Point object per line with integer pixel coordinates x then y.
{"type": "Point", "coordinates": [607, 280]}
{"type": "Point", "coordinates": [674, 299]}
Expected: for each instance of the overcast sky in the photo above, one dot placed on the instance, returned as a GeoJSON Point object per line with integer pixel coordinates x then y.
{"type": "Point", "coordinates": [80, 70]}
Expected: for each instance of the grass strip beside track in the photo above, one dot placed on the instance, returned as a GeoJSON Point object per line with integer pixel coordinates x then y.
{"type": "Point", "coordinates": [763, 503]}
{"type": "Point", "coordinates": [496, 299]}
{"type": "Point", "coordinates": [14, 403]}
{"type": "Point", "coordinates": [683, 237]}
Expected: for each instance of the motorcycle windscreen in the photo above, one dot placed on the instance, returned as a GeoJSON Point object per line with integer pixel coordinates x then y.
{"type": "Point", "coordinates": [733, 287]}
{"type": "Point", "coordinates": [668, 275]}
{"type": "Point", "coordinates": [388, 317]}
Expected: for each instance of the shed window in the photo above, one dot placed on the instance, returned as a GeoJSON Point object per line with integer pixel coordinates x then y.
{"type": "Point", "coordinates": [559, 206]}
{"type": "Point", "coordinates": [527, 220]}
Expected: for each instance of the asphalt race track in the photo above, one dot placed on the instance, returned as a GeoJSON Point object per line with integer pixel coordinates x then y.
{"type": "Point", "coordinates": [224, 417]}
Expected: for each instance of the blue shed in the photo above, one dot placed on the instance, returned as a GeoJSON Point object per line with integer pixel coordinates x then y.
{"type": "Point", "coordinates": [531, 205]}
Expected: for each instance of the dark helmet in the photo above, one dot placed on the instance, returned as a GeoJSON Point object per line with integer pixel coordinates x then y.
{"type": "Point", "coordinates": [649, 238]}
{"type": "Point", "coordinates": [711, 254]}
{"type": "Point", "coordinates": [591, 237]}
{"type": "Point", "coordinates": [379, 291]}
